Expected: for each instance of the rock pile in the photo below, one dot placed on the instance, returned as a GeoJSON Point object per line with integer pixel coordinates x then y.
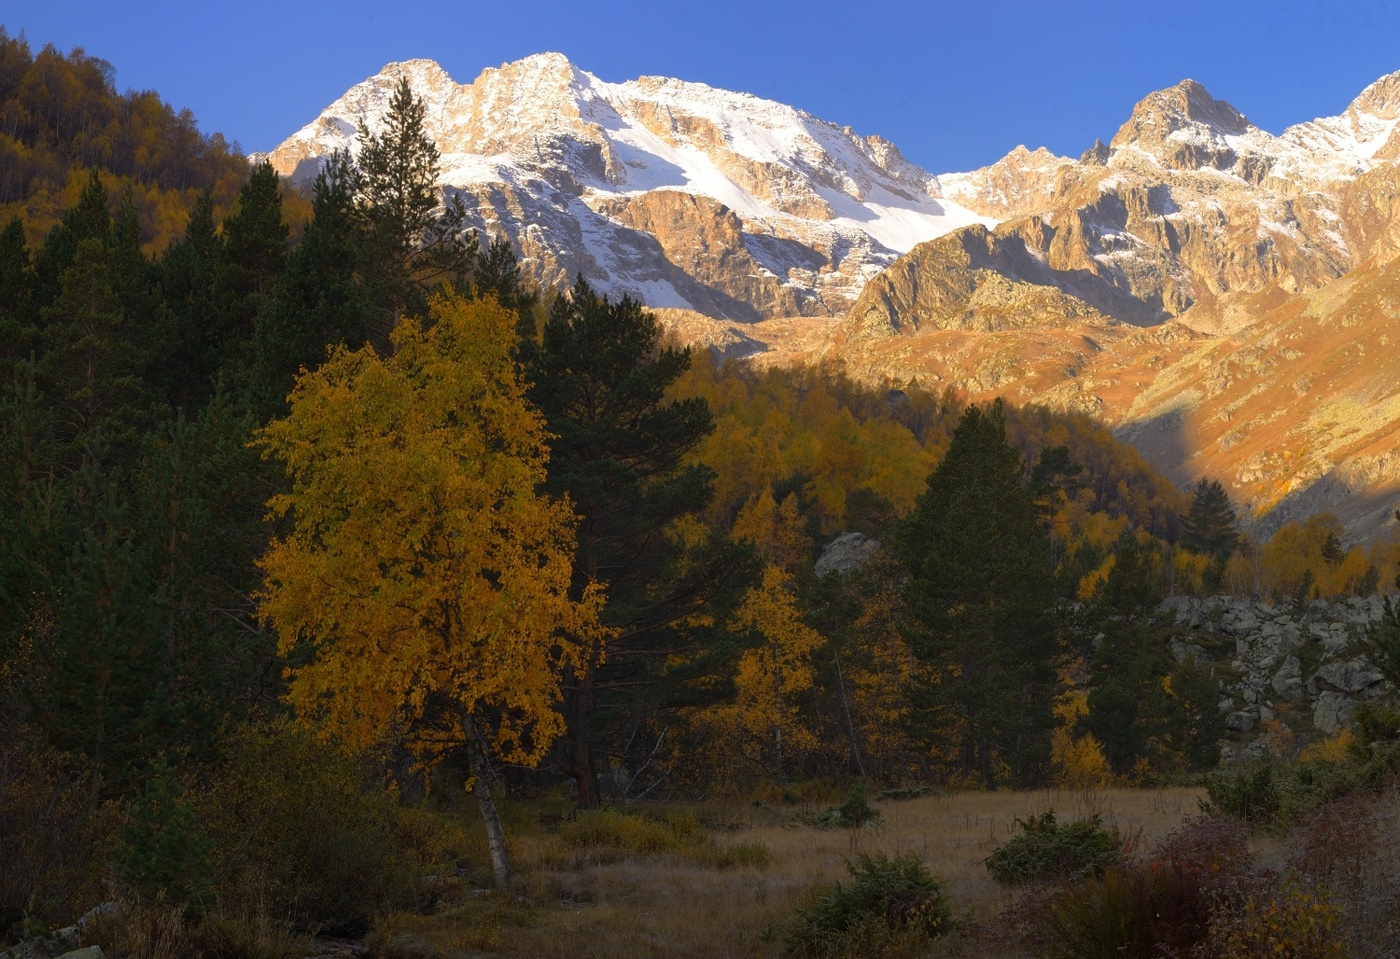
{"type": "Point", "coordinates": [1308, 660]}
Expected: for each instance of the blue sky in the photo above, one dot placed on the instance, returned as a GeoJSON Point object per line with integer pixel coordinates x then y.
{"type": "Point", "coordinates": [954, 85]}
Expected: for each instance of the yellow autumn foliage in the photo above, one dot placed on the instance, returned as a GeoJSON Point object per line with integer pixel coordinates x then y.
{"type": "Point", "coordinates": [774, 529]}
{"type": "Point", "coordinates": [422, 583]}
{"type": "Point", "coordinates": [763, 722]}
{"type": "Point", "coordinates": [1078, 761]}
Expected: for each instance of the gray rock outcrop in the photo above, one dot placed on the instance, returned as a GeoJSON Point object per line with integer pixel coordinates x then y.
{"type": "Point", "coordinates": [846, 554]}
{"type": "Point", "coordinates": [1305, 665]}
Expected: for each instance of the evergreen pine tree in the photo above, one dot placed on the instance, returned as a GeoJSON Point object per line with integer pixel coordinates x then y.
{"type": "Point", "coordinates": [1210, 526]}
{"type": "Point", "coordinates": [18, 320]}
{"type": "Point", "coordinates": [96, 646]}
{"type": "Point", "coordinates": [1383, 637]}
{"type": "Point", "coordinates": [320, 300]}
{"type": "Point", "coordinates": [600, 376]}
{"type": "Point", "coordinates": [254, 256]}
{"type": "Point", "coordinates": [185, 363]}
{"type": "Point", "coordinates": [416, 241]}
{"type": "Point", "coordinates": [91, 365]}
{"type": "Point", "coordinates": [498, 274]}
{"type": "Point", "coordinates": [980, 597]}
{"type": "Point", "coordinates": [89, 219]}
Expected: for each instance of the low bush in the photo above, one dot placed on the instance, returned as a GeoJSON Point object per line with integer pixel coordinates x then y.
{"type": "Point", "coordinates": [607, 835]}
{"type": "Point", "coordinates": [1141, 910]}
{"type": "Point", "coordinates": [887, 905]}
{"type": "Point", "coordinates": [163, 851]}
{"type": "Point", "coordinates": [156, 930]}
{"type": "Point", "coordinates": [627, 835]}
{"type": "Point", "coordinates": [52, 841]}
{"type": "Point", "coordinates": [1046, 849]}
{"type": "Point", "coordinates": [1276, 796]}
{"type": "Point", "coordinates": [902, 793]}
{"type": "Point", "coordinates": [1348, 847]}
{"type": "Point", "coordinates": [855, 811]}
{"type": "Point", "coordinates": [1251, 794]}
{"type": "Point", "coordinates": [1294, 920]}
{"type": "Point", "coordinates": [742, 855]}
{"type": "Point", "coordinates": [296, 821]}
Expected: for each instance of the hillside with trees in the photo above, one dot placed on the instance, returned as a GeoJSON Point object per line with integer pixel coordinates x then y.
{"type": "Point", "coordinates": [310, 533]}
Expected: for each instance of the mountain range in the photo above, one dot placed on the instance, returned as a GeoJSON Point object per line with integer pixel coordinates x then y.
{"type": "Point", "coordinates": [1225, 298]}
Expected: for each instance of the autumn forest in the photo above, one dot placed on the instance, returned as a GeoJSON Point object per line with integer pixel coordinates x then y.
{"type": "Point", "coordinates": [334, 555]}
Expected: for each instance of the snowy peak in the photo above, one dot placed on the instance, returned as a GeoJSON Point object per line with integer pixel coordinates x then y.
{"type": "Point", "coordinates": [1380, 100]}
{"type": "Point", "coordinates": [1020, 183]}
{"type": "Point", "coordinates": [637, 184]}
{"type": "Point", "coordinates": [1367, 132]}
{"type": "Point", "coordinates": [1185, 128]}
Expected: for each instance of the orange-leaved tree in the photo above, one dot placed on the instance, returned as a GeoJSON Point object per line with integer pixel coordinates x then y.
{"type": "Point", "coordinates": [424, 582]}
{"type": "Point", "coordinates": [774, 674]}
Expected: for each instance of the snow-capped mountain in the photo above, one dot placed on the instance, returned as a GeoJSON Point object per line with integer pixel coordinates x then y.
{"type": "Point", "coordinates": [1208, 288]}
{"type": "Point", "coordinates": [688, 196]}
{"type": "Point", "coordinates": [1179, 282]}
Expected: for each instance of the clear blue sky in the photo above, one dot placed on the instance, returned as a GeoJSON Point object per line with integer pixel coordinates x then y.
{"type": "Point", "coordinates": [954, 85]}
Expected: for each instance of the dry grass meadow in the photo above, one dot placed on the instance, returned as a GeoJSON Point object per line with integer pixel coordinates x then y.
{"type": "Point", "coordinates": [610, 904]}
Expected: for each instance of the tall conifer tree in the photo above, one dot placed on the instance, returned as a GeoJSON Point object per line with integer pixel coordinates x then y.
{"type": "Point", "coordinates": [619, 448]}
{"type": "Point", "coordinates": [416, 240]}
{"type": "Point", "coordinates": [1210, 526]}
{"type": "Point", "coordinates": [981, 596]}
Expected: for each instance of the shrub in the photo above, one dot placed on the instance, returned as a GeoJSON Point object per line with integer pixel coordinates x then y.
{"type": "Point", "coordinates": [1147, 909]}
{"type": "Point", "coordinates": [149, 930]}
{"type": "Point", "coordinates": [1250, 794]}
{"type": "Point", "coordinates": [902, 793]}
{"type": "Point", "coordinates": [615, 835]}
{"type": "Point", "coordinates": [1293, 921]}
{"type": "Point", "coordinates": [607, 835]}
{"type": "Point", "coordinates": [853, 813]}
{"type": "Point", "coordinates": [742, 855]}
{"type": "Point", "coordinates": [1045, 849]}
{"type": "Point", "coordinates": [886, 900]}
{"type": "Point", "coordinates": [1348, 847]}
{"type": "Point", "coordinates": [1130, 912]}
{"type": "Point", "coordinates": [163, 853]}
{"type": "Point", "coordinates": [1213, 848]}
{"type": "Point", "coordinates": [51, 840]}
{"type": "Point", "coordinates": [294, 819]}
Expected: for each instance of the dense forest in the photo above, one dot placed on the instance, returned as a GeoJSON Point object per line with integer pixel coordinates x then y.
{"type": "Point", "coordinates": [314, 512]}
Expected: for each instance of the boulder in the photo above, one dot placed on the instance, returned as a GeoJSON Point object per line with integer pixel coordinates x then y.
{"type": "Point", "coordinates": [1240, 722]}
{"type": "Point", "coordinates": [846, 554]}
{"type": "Point", "coordinates": [1353, 676]}
{"type": "Point", "coordinates": [1288, 681]}
{"type": "Point", "coordinates": [1332, 711]}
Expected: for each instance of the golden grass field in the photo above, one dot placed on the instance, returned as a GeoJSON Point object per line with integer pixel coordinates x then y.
{"type": "Point", "coordinates": [677, 907]}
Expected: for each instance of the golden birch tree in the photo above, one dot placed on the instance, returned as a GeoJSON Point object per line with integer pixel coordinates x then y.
{"type": "Point", "coordinates": [774, 674]}
{"type": "Point", "coordinates": [423, 584]}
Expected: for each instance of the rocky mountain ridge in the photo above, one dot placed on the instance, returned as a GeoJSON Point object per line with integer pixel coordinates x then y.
{"type": "Point", "coordinates": [1180, 282]}
{"type": "Point", "coordinates": [687, 196]}
{"type": "Point", "coordinates": [1207, 288]}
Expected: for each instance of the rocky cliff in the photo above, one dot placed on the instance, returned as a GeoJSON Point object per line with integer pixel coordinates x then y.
{"type": "Point", "coordinates": [1291, 675]}
{"type": "Point", "coordinates": [689, 197]}
{"type": "Point", "coordinates": [1221, 295]}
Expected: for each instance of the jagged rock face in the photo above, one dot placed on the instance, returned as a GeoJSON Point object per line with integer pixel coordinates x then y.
{"type": "Point", "coordinates": [1185, 128]}
{"type": "Point", "coordinates": [1266, 647]}
{"type": "Point", "coordinates": [1180, 282]}
{"type": "Point", "coordinates": [1223, 244]}
{"type": "Point", "coordinates": [689, 197]}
